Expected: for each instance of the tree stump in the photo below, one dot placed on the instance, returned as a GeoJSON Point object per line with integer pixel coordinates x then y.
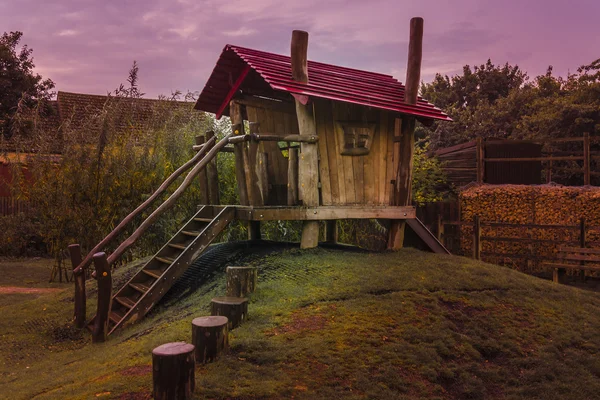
{"type": "Point", "coordinates": [234, 308]}
{"type": "Point", "coordinates": [241, 281]}
{"type": "Point", "coordinates": [173, 371]}
{"type": "Point", "coordinates": [210, 336]}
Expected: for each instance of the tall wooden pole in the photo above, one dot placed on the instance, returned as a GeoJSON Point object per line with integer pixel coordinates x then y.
{"type": "Point", "coordinates": [402, 195]}
{"type": "Point", "coordinates": [202, 177]}
{"type": "Point", "coordinates": [104, 277]}
{"type": "Point", "coordinates": [308, 168]}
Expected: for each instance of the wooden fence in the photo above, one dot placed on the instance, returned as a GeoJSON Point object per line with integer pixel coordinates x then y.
{"type": "Point", "coordinates": [536, 243]}
{"type": "Point", "coordinates": [13, 206]}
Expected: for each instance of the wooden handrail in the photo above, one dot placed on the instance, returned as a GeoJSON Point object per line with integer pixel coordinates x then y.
{"type": "Point", "coordinates": [169, 202]}
{"type": "Point", "coordinates": [100, 246]}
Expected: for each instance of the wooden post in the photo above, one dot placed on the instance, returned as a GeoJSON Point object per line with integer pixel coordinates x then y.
{"type": "Point", "coordinates": [104, 277]}
{"type": "Point", "coordinates": [234, 308]}
{"type": "Point", "coordinates": [549, 172]}
{"type": "Point", "coordinates": [331, 231]}
{"type": "Point", "coordinates": [586, 159]}
{"type": "Point", "coordinates": [212, 175]}
{"type": "Point", "coordinates": [202, 177]}
{"type": "Point", "coordinates": [262, 162]}
{"type": "Point", "coordinates": [308, 168]}
{"type": "Point", "coordinates": [210, 337]}
{"type": "Point", "coordinates": [292, 186]}
{"type": "Point", "coordinates": [241, 281]}
{"type": "Point", "coordinates": [402, 193]}
{"type": "Point", "coordinates": [239, 150]}
{"type": "Point", "coordinates": [256, 198]}
{"type": "Point", "coordinates": [476, 238]}
{"type": "Point", "coordinates": [480, 152]}
{"type": "Point", "coordinates": [79, 279]}
{"type": "Point", "coordinates": [440, 228]}
{"type": "Point", "coordinates": [173, 369]}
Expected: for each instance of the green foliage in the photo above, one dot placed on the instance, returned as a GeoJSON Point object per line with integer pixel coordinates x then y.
{"type": "Point", "coordinates": [19, 85]}
{"type": "Point", "coordinates": [499, 101]}
{"type": "Point", "coordinates": [109, 164]}
{"type": "Point", "coordinates": [429, 181]}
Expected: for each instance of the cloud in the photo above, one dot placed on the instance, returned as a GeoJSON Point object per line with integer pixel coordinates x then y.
{"type": "Point", "coordinates": [242, 31]}
{"type": "Point", "coordinates": [68, 32]}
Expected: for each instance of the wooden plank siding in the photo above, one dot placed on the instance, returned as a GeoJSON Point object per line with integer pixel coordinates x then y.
{"type": "Point", "coordinates": [351, 180]}
{"type": "Point", "coordinates": [344, 179]}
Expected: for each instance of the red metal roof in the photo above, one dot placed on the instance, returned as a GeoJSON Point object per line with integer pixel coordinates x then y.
{"type": "Point", "coordinates": [272, 72]}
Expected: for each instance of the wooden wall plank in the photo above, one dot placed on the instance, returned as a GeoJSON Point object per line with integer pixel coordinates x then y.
{"type": "Point", "coordinates": [339, 115]}
{"type": "Point", "coordinates": [383, 142]}
{"type": "Point", "coordinates": [341, 173]}
{"type": "Point", "coordinates": [320, 118]}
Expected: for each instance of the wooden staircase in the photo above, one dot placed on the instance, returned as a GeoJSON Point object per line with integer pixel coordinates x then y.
{"type": "Point", "coordinates": [137, 297]}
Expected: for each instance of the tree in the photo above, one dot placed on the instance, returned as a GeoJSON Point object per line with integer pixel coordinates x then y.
{"type": "Point", "coordinates": [18, 82]}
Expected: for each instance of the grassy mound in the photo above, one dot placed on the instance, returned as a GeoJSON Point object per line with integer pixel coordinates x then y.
{"type": "Point", "coordinates": [330, 324]}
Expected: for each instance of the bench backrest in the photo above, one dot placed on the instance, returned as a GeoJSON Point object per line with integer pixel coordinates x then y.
{"type": "Point", "coordinates": [579, 254]}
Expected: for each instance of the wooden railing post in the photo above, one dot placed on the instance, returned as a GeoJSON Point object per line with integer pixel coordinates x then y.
{"type": "Point", "coordinates": [586, 158]}
{"type": "Point", "coordinates": [104, 277]}
{"type": "Point", "coordinates": [582, 243]}
{"type": "Point", "coordinates": [79, 279]}
{"type": "Point", "coordinates": [238, 152]}
{"type": "Point", "coordinates": [476, 238]}
{"type": "Point", "coordinates": [202, 177]}
{"type": "Point", "coordinates": [292, 186]}
{"type": "Point", "coordinates": [212, 174]}
{"type": "Point", "coordinates": [440, 228]}
{"type": "Point", "coordinates": [256, 196]}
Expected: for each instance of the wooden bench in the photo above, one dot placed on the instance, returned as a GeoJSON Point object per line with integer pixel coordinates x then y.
{"type": "Point", "coordinates": [575, 258]}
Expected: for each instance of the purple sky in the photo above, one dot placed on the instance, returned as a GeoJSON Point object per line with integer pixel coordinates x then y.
{"type": "Point", "coordinates": [89, 45]}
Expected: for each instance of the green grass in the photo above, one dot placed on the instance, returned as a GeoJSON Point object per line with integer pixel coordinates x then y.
{"type": "Point", "coordinates": [329, 324]}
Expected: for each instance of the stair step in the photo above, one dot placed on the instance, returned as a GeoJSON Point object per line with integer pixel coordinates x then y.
{"type": "Point", "coordinates": [115, 316]}
{"type": "Point", "coordinates": [166, 260]}
{"type": "Point", "coordinates": [203, 219]}
{"type": "Point", "coordinates": [140, 287]}
{"type": "Point", "coordinates": [191, 233]}
{"type": "Point", "coordinates": [125, 301]}
{"type": "Point", "coordinates": [155, 273]}
{"type": "Point", "coordinates": [178, 246]}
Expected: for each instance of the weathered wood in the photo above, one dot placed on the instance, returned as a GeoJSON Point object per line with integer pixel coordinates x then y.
{"type": "Point", "coordinates": [480, 162]}
{"type": "Point", "coordinates": [212, 174]}
{"type": "Point", "coordinates": [263, 177]}
{"type": "Point", "coordinates": [308, 170]}
{"type": "Point", "coordinates": [269, 137]}
{"type": "Point", "coordinates": [254, 230]}
{"type": "Point", "coordinates": [241, 281]}
{"type": "Point", "coordinates": [476, 238]}
{"type": "Point", "coordinates": [586, 158]}
{"type": "Point", "coordinates": [402, 195]}
{"type": "Point", "coordinates": [119, 228]}
{"type": "Point", "coordinates": [299, 52]}
{"type": "Point", "coordinates": [104, 277]}
{"type": "Point", "coordinates": [79, 279]}
{"type": "Point", "coordinates": [331, 231]}
{"type": "Point", "coordinates": [323, 213]}
{"type": "Point", "coordinates": [173, 369]}
{"type": "Point", "coordinates": [210, 337]}
{"type": "Point", "coordinates": [292, 186]}
{"type": "Point", "coordinates": [234, 308]}
{"type": "Point", "coordinates": [202, 177]}
{"type": "Point", "coordinates": [275, 105]}
{"type": "Point", "coordinates": [516, 159]}
{"type": "Point", "coordinates": [256, 198]}
{"type": "Point", "coordinates": [168, 203]}
{"type": "Point", "coordinates": [239, 150]}
{"type": "Point", "coordinates": [239, 139]}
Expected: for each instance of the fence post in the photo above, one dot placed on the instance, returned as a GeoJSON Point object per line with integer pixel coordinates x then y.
{"type": "Point", "coordinates": [103, 275]}
{"type": "Point", "coordinates": [586, 158]}
{"type": "Point", "coordinates": [440, 228]}
{"type": "Point", "coordinates": [79, 279]}
{"type": "Point", "coordinates": [480, 160]}
{"type": "Point", "coordinates": [476, 238]}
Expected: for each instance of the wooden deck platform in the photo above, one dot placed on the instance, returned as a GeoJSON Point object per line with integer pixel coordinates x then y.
{"type": "Point", "coordinates": [321, 213]}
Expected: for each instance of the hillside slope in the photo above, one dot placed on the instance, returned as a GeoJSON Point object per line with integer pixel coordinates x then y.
{"type": "Point", "coordinates": [330, 324]}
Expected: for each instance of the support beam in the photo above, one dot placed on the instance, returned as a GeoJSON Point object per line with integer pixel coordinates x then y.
{"type": "Point", "coordinates": [331, 231]}
{"type": "Point", "coordinates": [308, 169]}
{"type": "Point", "coordinates": [402, 195]}
{"type": "Point", "coordinates": [292, 186]}
{"type": "Point", "coordinates": [231, 93]}
{"type": "Point", "coordinates": [104, 277]}
{"type": "Point", "coordinates": [237, 121]}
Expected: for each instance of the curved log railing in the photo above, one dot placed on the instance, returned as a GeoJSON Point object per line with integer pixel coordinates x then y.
{"type": "Point", "coordinates": [197, 164]}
